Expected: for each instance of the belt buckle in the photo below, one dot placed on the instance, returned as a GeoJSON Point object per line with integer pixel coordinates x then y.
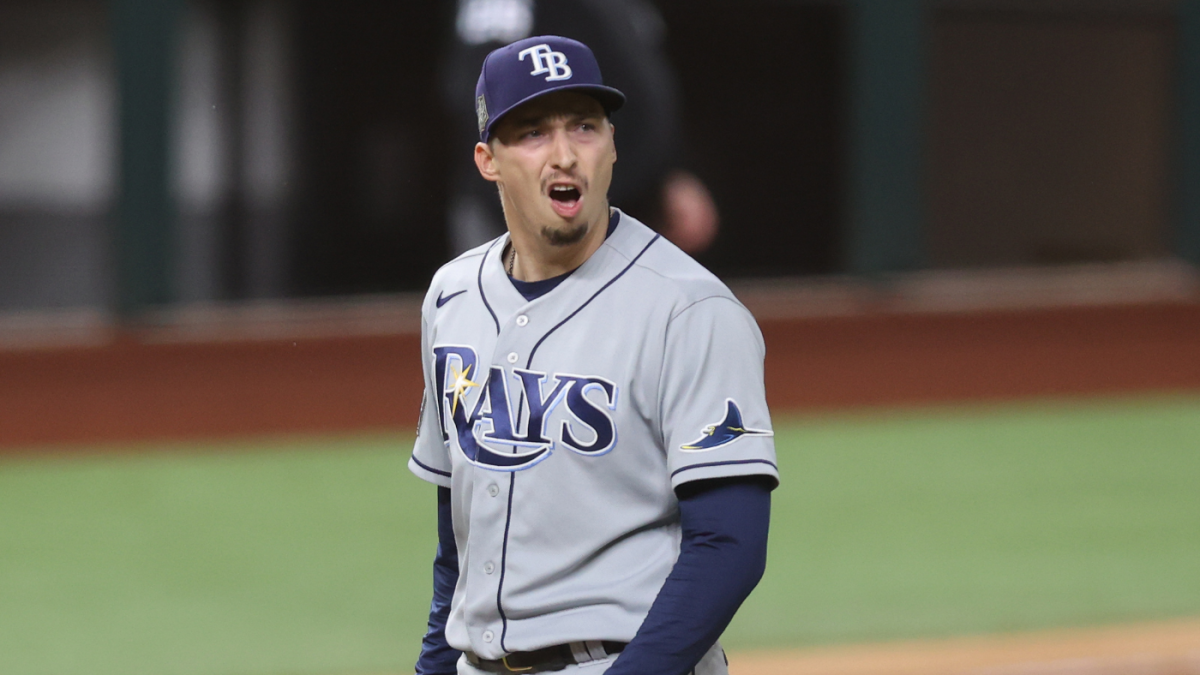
{"type": "Point", "coordinates": [504, 660]}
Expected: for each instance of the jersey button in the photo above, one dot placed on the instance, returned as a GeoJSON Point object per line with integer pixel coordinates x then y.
{"type": "Point", "coordinates": [522, 320]}
{"type": "Point", "coordinates": [512, 357]}
{"type": "Point", "coordinates": [488, 636]}
{"type": "Point", "coordinates": [488, 568]}
{"type": "Point", "coordinates": [493, 489]}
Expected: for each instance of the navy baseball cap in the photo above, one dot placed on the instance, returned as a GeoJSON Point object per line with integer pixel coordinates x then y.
{"type": "Point", "coordinates": [529, 68]}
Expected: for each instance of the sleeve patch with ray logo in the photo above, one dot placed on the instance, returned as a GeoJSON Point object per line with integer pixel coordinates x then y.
{"type": "Point", "coordinates": [724, 432]}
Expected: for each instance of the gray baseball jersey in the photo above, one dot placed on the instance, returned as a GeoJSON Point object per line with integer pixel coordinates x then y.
{"type": "Point", "coordinates": [563, 425]}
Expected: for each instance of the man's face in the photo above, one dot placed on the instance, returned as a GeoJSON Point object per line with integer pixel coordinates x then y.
{"type": "Point", "coordinates": [553, 159]}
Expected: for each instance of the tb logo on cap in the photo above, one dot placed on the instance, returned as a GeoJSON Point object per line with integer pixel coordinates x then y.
{"type": "Point", "coordinates": [547, 61]}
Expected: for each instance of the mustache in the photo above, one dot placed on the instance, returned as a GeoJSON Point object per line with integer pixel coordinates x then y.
{"type": "Point", "coordinates": [581, 180]}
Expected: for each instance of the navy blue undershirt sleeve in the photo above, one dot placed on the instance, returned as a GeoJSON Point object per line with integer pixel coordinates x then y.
{"type": "Point", "coordinates": [721, 559]}
{"type": "Point", "coordinates": [437, 656]}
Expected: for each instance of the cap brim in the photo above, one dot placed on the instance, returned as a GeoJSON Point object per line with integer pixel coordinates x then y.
{"type": "Point", "coordinates": [611, 99]}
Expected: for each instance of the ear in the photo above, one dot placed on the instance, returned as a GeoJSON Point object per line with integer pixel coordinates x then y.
{"type": "Point", "coordinates": [486, 162]}
{"type": "Point", "coordinates": [613, 130]}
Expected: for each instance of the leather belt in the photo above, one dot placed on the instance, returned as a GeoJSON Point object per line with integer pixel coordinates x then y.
{"type": "Point", "coordinates": [548, 658]}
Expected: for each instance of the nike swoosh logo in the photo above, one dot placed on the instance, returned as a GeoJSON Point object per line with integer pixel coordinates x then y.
{"type": "Point", "coordinates": [443, 299]}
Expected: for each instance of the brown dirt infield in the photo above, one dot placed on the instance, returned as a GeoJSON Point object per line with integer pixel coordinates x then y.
{"type": "Point", "coordinates": [1152, 649]}
{"type": "Point", "coordinates": [147, 385]}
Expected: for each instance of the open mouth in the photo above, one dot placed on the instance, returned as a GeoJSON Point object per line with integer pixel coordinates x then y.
{"type": "Point", "coordinates": [565, 200]}
{"type": "Point", "coordinates": [564, 193]}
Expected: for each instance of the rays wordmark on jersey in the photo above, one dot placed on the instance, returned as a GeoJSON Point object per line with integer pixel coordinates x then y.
{"type": "Point", "coordinates": [479, 409]}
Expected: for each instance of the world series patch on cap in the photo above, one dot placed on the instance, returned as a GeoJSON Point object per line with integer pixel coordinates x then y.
{"type": "Point", "coordinates": [526, 69]}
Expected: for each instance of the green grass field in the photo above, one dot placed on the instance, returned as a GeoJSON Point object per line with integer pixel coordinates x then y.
{"type": "Point", "coordinates": [313, 555]}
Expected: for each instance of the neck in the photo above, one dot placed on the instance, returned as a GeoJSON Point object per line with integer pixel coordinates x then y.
{"type": "Point", "coordinates": [537, 259]}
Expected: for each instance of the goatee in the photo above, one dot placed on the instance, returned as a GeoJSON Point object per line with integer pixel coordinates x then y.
{"type": "Point", "coordinates": [565, 237]}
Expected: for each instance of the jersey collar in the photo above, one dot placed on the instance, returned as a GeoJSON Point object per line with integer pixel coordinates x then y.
{"type": "Point", "coordinates": [625, 239]}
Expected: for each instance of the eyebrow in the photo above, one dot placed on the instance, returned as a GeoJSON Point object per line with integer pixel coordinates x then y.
{"type": "Point", "coordinates": [579, 113]}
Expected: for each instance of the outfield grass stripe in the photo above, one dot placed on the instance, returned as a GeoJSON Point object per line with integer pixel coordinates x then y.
{"type": "Point", "coordinates": [313, 556]}
{"type": "Point", "coordinates": [930, 523]}
{"type": "Point", "coordinates": [232, 562]}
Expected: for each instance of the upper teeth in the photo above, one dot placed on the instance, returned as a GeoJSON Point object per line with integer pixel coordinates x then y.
{"type": "Point", "coordinates": [563, 188]}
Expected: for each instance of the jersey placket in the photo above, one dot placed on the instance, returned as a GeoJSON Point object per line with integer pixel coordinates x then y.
{"type": "Point", "coordinates": [493, 490]}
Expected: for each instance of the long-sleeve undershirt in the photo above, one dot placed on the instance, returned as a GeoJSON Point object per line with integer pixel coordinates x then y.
{"type": "Point", "coordinates": [437, 656]}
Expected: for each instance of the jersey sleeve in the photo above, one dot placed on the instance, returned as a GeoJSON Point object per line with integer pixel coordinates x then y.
{"type": "Point", "coordinates": [430, 460]}
{"type": "Point", "coordinates": [713, 411]}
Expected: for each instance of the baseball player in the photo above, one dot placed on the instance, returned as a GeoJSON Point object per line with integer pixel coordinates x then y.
{"type": "Point", "coordinates": [594, 414]}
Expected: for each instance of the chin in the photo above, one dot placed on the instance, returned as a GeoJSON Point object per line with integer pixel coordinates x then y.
{"type": "Point", "coordinates": [566, 235]}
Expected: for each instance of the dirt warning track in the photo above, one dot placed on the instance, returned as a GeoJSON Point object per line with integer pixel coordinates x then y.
{"type": "Point", "coordinates": [154, 385]}
{"type": "Point", "coordinates": [1171, 648]}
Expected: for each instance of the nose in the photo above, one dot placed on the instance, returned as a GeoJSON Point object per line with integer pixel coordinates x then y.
{"type": "Point", "coordinates": [562, 153]}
